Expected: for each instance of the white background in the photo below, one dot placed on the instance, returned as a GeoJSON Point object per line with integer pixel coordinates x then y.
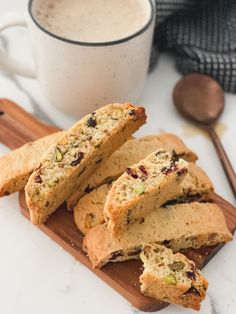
{"type": "Point", "coordinates": [36, 275]}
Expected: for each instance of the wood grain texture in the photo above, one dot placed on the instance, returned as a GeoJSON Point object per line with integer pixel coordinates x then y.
{"type": "Point", "coordinates": [123, 277]}
{"type": "Point", "coordinates": [18, 127]}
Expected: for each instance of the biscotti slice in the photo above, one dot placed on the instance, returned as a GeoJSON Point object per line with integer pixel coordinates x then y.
{"type": "Point", "coordinates": [172, 144]}
{"type": "Point", "coordinates": [178, 227]}
{"type": "Point", "coordinates": [171, 277]}
{"type": "Point", "coordinates": [76, 154]}
{"type": "Point", "coordinates": [128, 154]}
{"type": "Point", "coordinates": [142, 188]}
{"type": "Point", "coordinates": [196, 186]}
{"type": "Point", "coordinates": [17, 166]}
{"type": "Point", "coordinates": [88, 213]}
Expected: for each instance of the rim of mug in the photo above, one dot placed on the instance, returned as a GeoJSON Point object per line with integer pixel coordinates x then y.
{"type": "Point", "coordinates": [95, 44]}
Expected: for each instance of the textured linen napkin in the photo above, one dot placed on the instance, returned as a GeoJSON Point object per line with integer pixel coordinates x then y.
{"type": "Point", "coordinates": [201, 34]}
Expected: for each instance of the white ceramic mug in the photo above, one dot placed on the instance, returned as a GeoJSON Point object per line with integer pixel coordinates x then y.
{"type": "Point", "coordinates": [79, 77]}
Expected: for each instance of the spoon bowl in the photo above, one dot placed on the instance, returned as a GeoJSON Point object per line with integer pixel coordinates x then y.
{"type": "Point", "coordinates": [199, 98]}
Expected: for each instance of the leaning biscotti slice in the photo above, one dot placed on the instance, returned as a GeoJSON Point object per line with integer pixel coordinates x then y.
{"type": "Point", "coordinates": [88, 213]}
{"type": "Point", "coordinates": [76, 154]}
{"type": "Point", "coordinates": [128, 154]}
{"type": "Point", "coordinates": [196, 186]}
{"type": "Point", "coordinates": [171, 277]}
{"type": "Point", "coordinates": [17, 166]}
{"type": "Point", "coordinates": [142, 188]}
{"type": "Point", "coordinates": [179, 227]}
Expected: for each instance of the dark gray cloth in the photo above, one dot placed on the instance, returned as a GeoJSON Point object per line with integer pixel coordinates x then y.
{"type": "Point", "coordinates": [201, 34]}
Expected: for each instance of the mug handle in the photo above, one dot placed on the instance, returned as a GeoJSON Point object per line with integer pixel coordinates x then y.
{"type": "Point", "coordinates": [7, 62]}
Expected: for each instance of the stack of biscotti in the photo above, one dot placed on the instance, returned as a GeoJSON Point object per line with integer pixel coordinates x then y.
{"type": "Point", "coordinates": [162, 199]}
{"type": "Point", "coordinates": [76, 154]}
{"type": "Point", "coordinates": [181, 226]}
{"type": "Point", "coordinates": [89, 210]}
{"type": "Point", "coordinates": [171, 277]}
{"type": "Point", "coordinates": [54, 167]}
{"type": "Point", "coordinates": [128, 154]}
{"type": "Point", "coordinates": [125, 193]}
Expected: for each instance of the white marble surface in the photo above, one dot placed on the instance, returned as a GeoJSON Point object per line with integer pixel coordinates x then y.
{"type": "Point", "coordinates": [36, 275]}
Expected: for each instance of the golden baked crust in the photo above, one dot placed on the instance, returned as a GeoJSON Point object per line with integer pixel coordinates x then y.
{"type": "Point", "coordinates": [88, 213]}
{"type": "Point", "coordinates": [128, 154]}
{"type": "Point", "coordinates": [171, 277]}
{"type": "Point", "coordinates": [76, 154]}
{"type": "Point", "coordinates": [17, 166]}
{"type": "Point", "coordinates": [179, 226]}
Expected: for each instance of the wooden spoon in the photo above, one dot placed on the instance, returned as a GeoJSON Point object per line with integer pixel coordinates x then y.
{"type": "Point", "coordinates": [201, 99]}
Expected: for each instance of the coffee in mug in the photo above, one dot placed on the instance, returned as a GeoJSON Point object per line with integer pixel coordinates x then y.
{"type": "Point", "coordinates": [87, 53]}
{"type": "Point", "coordinates": [94, 20]}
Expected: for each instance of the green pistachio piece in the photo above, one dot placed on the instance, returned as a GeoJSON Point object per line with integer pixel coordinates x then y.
{"type": "Point", "coordinates": [140, 188]}
{"type": "Point", "coordinates": [58, 155]}
{"type": "Point", "coordinates": [51, 183]}
{"type": "Point", "coordinates": [171, 279]}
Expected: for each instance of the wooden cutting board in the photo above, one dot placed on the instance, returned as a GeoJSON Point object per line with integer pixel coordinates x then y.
{"type": "Point", "coordinates": [18, 127]}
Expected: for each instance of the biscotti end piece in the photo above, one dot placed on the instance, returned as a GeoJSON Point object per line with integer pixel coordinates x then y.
{"type": "Point", "coordinates": [171, 277]}
{"type": "Point", "coordinates": [17, 166]}
{"type": "Point", "coordinates": [178, 227]}
{"type": "Point", "coordinates": [143, 188]}
{"type": "Point", "coordinates": [77, 154]}
{"type": "Point", "coordinates": [89, 211]}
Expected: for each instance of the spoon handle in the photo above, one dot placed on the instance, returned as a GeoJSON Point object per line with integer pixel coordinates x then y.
{"type": "Point", "coordinates": [229, 171]}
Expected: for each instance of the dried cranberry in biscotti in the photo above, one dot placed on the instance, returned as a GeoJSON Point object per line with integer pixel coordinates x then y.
{"type": "Point", "coordinates": [38, 179]}
{"type": "Point", "coordinates": [77, 161]}
{"type": "Point", "coordinates": [143, 170]}
{"type": "Point", "coordinates": [92, 123]}
{"type": "Point", "coordinates": [132, 173]}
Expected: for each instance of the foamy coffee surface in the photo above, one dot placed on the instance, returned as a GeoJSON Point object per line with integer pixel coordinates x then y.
{"type": "Point", "coordinates": [92, 20]}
